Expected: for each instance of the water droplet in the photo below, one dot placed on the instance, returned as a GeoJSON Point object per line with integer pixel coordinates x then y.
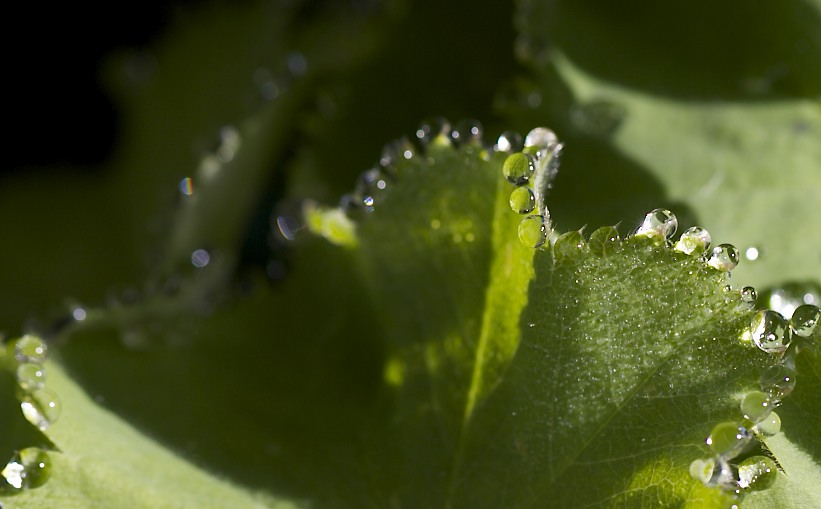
{"type": "Point", "coordinates": [467, 131]}
{"type": "Point", "coordinates": [712, 472]}
{"type": "Point", "coordinates": [658, 223]}
{"type": "Point", "coordinates": [804, 320]}
{"type": "Point", "coordinates": [30, 376]}
{"type": "Point", "coordinates": [604, 241]}
{"type": "Point", "coordinates": [200, 258]}
{"type": "Point", "coordinates": [394, 152]}
{"type": "Point", "coordinates": [600, 118]}
{"type": "Point", "coordinates": [569, 247]}
{"type": "Point", "coordinates": [41, 407]}
{"type": "Point", "coordinates": [694, 241]}
{"type": "Point", "coordinates": [757, 473]}
{"type": "Point", "coordinates": [788, 298]}
{"type": "Point", "coordinates": [78, 313]}
{"type": "Point", "coordinates": [541, 137]}
{"type": "Point", "coordinates": [518, 168]}
{"type": "Point", "coordinates": [728, 439]}
{"type": "Point", "coordinates": [770, 425]}
{"type": "Point", "coordinates": [771, 331]}
{"type": "Point", "coordinates": [522, 200]}
{"type": "Point", "coordinates": [724, 257]}
{"type": "Point", "coordinates": [436, 129]}
{"type": "Point", "coordinates": [288, 226]}
{"type": "Point", "coordinates": [533, 231]}
{"type": "Point", "coordinates": [702, 469]}
{"type": "Point", "coordinates": [28, 468]}
{"type": "Point", "coordinates": [30, 348]}
{"type": "Point", "coordinates": [369, 186]}
{"type": "Point", "coordinates": [778, 382]}
{"type": "Point", "coordinates": [755, 406]}
{"type": "Point", "coordinates": [748, 295]}
{"type": "Point", "coordinates": [510, 142]}
{"type": "Point", "coordinates": [186, 186]}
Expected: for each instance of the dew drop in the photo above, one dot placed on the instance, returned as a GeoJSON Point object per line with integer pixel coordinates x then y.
{"type": "Point", "coordinates": [569, 247]}
{"type": "Point", "coordinates": [28, 468]}
{"type": "Point", "coordinates": [770, 331]}
{"type": "Point", "coordinates": [757, 473]}
{"type": "Point", "coordinates": [694, 241]}
{"type": "Point", "coordinates": [748, 295]}
{"type": "Point", "coordinates": [435, 129]}
{"type": "Point", "coordinates": [467, 131]}
{"type": "Point", "coordinates": [658, 223]}
{"type": "Point", "coordinates": [755, 406]}
{"type": "Point", "coordinates": [200, 258]}
{"type": "Point", "coordinates": [394, 152]}
{"type": "Point", "coordinates": [533, 231]}
{"type": "Point", "coordinates": [30, 348]}
{"type": "Point", "coordinates": [804, 320]}
{"type": "Point", "coordinates": [41, 407]}
{"type": "Point", "coordinates": [542, 138]}
{"type": "Point", "coordinates": [518, 168]}
{"type": "Point", "coordinates": [724, 257]}
{"type": "Point", "coordinates": [30, 376]}
{"type": "Point", "coordinates": [604, 241]}
{"type": "Point", "coordinates": [510, 142]}
{"type": "Point", "coordinates": [770, 425]}
{"type": "Point", "coordinates": [522, 200]}
{"type": "Point", "coordinates": [778, 382]}
{"type": "Point", "coordinates": [712, 472]}
{"type": "Point", "coordinates": [728, 439]}
{"type": "Point", "coordinates": [702, 469]}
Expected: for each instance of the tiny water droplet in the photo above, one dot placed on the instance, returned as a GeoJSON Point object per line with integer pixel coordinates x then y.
{"type": "Point", "coordinates": [702, 469]}
{"type": "Point", "coordinates": [30, 348]}
{"type": "Point", "coordinates": [777, 381]}
{"type": "Point", "coordinates": [510, 142]}
{"type": "Point", "coordinates": [755, 406]}
{"type": "Point", "coordinates": [186, 186]}
{"type": "Point", "coordinates": [41, 407]}
{"type": "Point", "coordinates": [770, 425]}
{"type": "Point", "coordinates": [533, 231]}
{"type": "Point", "coordinates": [712, 472]}
{"type": "Point", "coordinates": [30, 376]}
{"type": "Point", "coordinates": [522, 200]}
{"type": "Point", "coordinates": [770, 331]}
{"type": "Point", "coordinates": [728, 439]}
{"type": "Point", "coordinates": [29, 468]}
{"type": "Point", "coordinates": [757, 473]}
{"type": "Point", "coordinates": [518, 168]}
{"type": "Point", "coordinates": [467, 131]}
{"type": "Point", "coordinates": [79, 314]}
{"type": "Point", "coordinates": [695, 241]}
{"type": "Point", "coordinates": [569, 247]}
{"type": "Point", "coordinates": [394, 152]}
{"type": "Point", "coordinates": [658, 223]}
{"type": "Point", "coordinates": [541, 137]}
{"type": "Point", "coordinates": [435, 129]}
{"type": "Point", "coordinates": [724, 257]}
{"type": "Point", "coordinates": [804, 320]}
{"type": "Point", "coordinates": [604, 241]}
{"type": "Point", "coordinates": [748, 295]}
{"type": "Point", "coordinates": [200, 258]}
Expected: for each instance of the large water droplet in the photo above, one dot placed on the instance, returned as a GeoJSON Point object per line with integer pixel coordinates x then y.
{"type": "Point", "coordinates": [30, 376]}
{"type": "Point", "coordinates": [467, 132]}
{"type": "Point", "coordinates": [30, 348]}
{"type": "Point", "coordinates": [778, 382]}
{"type": "Point", "coordinates": [757, 473]}
{"type": "Point", "coordinates": [435, 129]}
{"type": "Point", "coordinates": [518, 168]}
{"type": "Point", "coordinates": [694, 241]}
{"type": "Point", "coordinates": [724, 257]}
{"type": "Point", "coordinates": [541, 137]}
{"type": "Point", "coordinates": [40, 407]}
{"type": "Point", "coordinates": [510, 142]}
{"type": "Point", "coordinates": [770, 425]}
{"type": "Point", "coordinates": [28, 468]}
{"type": "Point", "coordinates": [533, 231]}
{"type": "Point", "coordinates": [770, 331]}
{"type": "Point", "coordinates": [522, 200]}
{"type": "Point", "coordinates": [728, 439]}
{"type": "Point", "coordinates": [804, 320]}
{"type": "Point", "coordinates": [755, 406]}
{"type": "Point", "coordinates": [658, 223]}
{"type": "Point", "coordinates": [604, 241]}
{"type": "Point", "coordinates": [569, 247]}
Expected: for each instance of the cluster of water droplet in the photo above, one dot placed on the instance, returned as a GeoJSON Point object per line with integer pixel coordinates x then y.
{"type": "Point", "coordinates": [30, 467]}
{"type": "Point", "coordinates": [531, 167]}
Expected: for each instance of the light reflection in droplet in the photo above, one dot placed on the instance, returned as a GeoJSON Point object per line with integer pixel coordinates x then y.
{"type": "Point", "coordinates": [752, 253]}
{"type": "Point", "coordinates": [79, 314]}
{"type": "Point", "coordinates": [200, 258]}
{"type": "Point", "coordinates": [186, 186]}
